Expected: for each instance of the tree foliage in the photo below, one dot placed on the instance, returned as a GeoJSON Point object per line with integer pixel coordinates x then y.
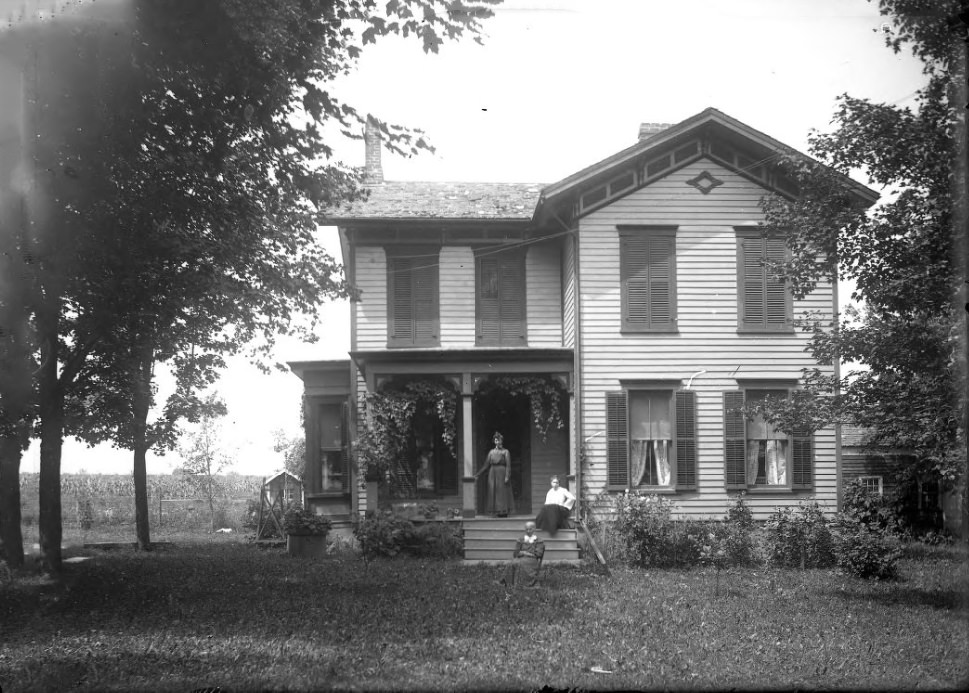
{"type": "Point", "coordinates": [186, 177]}
{"type": "Point", "coordinates": [906, 333]}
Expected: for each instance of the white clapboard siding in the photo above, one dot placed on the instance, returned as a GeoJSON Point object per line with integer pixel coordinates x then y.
{"type": "Point", "coordinates": [544, 294]}
{"type": "Point", "coordinates": [370, 269]}
{"type": "Point", "coordinates": [707, 338]}
{"type": "Point", "coordinates": [457, 297]}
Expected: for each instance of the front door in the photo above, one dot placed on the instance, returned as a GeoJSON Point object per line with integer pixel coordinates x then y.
{"type": "Point", "coordinates": [498, 411]}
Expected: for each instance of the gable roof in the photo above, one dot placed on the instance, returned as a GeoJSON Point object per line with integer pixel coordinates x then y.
{"type": "Point", "coordinates": [425, 200]}
{"type": "Point", "coordinates": [709, 124]}
{"type": "Point", "coordinates": [709, 133]}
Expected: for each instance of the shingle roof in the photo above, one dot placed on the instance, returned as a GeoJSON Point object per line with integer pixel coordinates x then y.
{"type": "Point", "coordinates": [854, 436]}
{"type": "Point", "coordinates": [403, 200]}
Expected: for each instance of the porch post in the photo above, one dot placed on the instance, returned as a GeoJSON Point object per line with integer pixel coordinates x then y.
{"type": "Point", "coordinates": [574, 471]}
{"type": "Point", "coordinates": [467, 446]}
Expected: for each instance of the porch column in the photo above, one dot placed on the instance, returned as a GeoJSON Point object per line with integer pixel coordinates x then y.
{"type": "Point", "coordinates": [574, 471]}
{"type": "Point", "coordinates": [467, 446]}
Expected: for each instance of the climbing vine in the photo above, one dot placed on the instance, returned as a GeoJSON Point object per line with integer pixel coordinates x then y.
{"type": "Point", "coordinates": [544, 398]}
{"type": "Point", "coordinates": [385, 436]}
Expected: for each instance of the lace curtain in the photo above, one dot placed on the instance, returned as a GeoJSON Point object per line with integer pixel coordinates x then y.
{"type": "Point", "coordinates": [650, 455]}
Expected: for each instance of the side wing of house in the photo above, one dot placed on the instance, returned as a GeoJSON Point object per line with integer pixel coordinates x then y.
{"type": "Point", "coordinates": [681, 324]}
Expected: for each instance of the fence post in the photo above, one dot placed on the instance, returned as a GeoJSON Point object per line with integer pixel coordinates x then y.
{"type": "Point", "coordinates": [161, 494]}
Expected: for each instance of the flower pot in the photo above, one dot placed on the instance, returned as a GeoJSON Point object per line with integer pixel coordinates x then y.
{"type": "Point", "coordinates": [306, 545]}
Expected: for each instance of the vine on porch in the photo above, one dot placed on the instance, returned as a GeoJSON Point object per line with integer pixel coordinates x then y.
{"type": "Point", "coordinates": [544, 398]}
{"type": "Point", "coordinates": [385, 435]}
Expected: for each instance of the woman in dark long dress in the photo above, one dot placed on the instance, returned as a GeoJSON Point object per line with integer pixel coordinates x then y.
{"type": "Point", "coordinates": [498, 467]}
{"type": "Point", "coordinates": [554, 515]}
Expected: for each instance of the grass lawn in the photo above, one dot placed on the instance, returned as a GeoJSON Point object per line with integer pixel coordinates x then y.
{"type": "Point", "coordinates": [226, 614]}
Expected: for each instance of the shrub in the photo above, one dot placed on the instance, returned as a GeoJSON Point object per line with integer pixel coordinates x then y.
{"type": "Point", "coordinates": [299, 521]}
{"type": "Point", "coordinates": [384, 534]}
{"type": "Point", "coordinates": [735, 534]}
{"type": "Point", "coordinates": [437, 540]}
{"type": "Point", "coordinates": [877, 513]}
{"type": "Point", "coordinates": [867, 553]}
{"type": "Point", "coordinates": [799, 538]}
{"type": "Point", "coordinates": [650, 538]}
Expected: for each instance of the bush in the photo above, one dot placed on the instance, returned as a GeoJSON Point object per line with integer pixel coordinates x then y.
{"type": "Point", "coordinates": [437, 540]}
{"type": "Point", "coordinates": [877, 513]}
{"type": "Point", "coordinates": [650, 538]}
{"type": "Point", "coordinates": [799, 538]}
{"type": "Point", "coordinates": [299, 521]}
{"type": "Point", "coordinates": [867, 553]}
{"type": "Point", "coordinates": [735, 535]}
{"type": "Point", "coordinates": [384, 534]}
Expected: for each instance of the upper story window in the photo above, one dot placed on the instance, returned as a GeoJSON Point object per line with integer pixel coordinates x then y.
{"type": "Point", "coordinates": [647, 270]}
{"type": "Point", "coordinates": [757, 455]}
{"type": "Point", "coordinates": [764, 303]}
{"type": "Point", "coordinates": [651, 439]}
{"type": "Point", "coordinates": [500, 290]}
{"type": "Point", "coordinates": [413, 310]}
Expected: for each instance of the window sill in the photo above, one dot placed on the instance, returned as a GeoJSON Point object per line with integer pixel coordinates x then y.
{"type": "Point", "coordinates": [767, 490]}
{"type": "Point", "coordinates": [632, 332]}
{"type": "Point", "coordinates": [327, 494]}
{"type": "Point", "coordinates": [763, 331]}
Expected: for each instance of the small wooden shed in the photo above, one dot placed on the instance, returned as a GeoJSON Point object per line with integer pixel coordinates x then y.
{"type": "Point", "coordinates": [290, 485]}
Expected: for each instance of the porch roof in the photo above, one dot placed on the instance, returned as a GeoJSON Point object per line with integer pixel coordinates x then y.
{"type": "Point", "coordinates": [477, 360]}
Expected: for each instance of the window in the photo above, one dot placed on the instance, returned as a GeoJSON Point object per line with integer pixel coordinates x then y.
{"type": "Point", "coordinates": [647, 270]}
{"type": "Point", "coordinates": [763, 302]}
{"type": "Point", "coordinates": [333, 448]}
{"type": "Point", "coordinates": [758, 456]}
{"type": "Point", "coordinates": [872, 484]}
{"type": "Point", "coordinates": [500, 310]}
{"type": "Point", "coordinates": [651, 439]}
{"type": "Point", "coordinates": [412, 296]}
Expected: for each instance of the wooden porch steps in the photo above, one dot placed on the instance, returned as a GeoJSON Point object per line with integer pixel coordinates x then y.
{"type": "Point", "coordinates": [492, 540]}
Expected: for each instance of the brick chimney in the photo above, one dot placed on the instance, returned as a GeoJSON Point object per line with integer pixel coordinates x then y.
{"type": "Point", "coordinates": [647, 130]}
{"type": "Point", "coordinates": [373, 172]}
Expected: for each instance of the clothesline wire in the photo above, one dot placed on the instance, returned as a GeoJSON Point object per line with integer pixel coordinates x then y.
{"type": "Point", "coordinates": [509, 247]}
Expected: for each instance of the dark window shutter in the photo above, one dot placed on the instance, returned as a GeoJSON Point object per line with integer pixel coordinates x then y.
{"type": "Point", "coordinates": [662, 308]}
{"type": "Point", "coordinates": [512, 306]}
{"type": "Point", "coordinates": [635, 282]}
{"type": "Point", "coordinates": [647, 273]}
{"type": "Point", "coordinates": [500, 313]}
{"type": "Point", "coordinates": [425, 289]}
{"type": "Point", "coordinates": [775, 288]}
{"type": "Point", "coordinates": [734, 441]}
{"type": "Point", "coordinates": [752, 282]}
{"type": "Point", "coordinates": [686, 454]}
{"type": "Point", "coordinates": [617, 445]}
{"type": "Point", "coordinates": [412, 297]}
{"type": "Point", "coordinates": [802, 462]}
{"type": "Point", "coordinates": [400, 287]}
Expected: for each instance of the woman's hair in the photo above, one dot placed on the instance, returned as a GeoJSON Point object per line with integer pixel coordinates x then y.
{"type": "Point", "coordinates": [498, 436]}
{"type": "Point", "coordinates": [554, 478]}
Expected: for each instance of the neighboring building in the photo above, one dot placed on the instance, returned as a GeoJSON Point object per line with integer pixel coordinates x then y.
{"type": "Point", "coordinates": [636, 288]}
{"type": "Point", "coordinates": [924, 502]}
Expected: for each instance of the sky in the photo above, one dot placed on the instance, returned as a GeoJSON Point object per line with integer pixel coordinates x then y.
{"type": "Point", "coordinates": [557, 86]}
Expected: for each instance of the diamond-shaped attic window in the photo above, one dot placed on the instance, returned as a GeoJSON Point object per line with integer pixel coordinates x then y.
{"type": "Point", "coordinates": [705, 182]}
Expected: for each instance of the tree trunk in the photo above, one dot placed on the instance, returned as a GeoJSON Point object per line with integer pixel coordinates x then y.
{"type": "Point", "coordinates": [11, 537]}
{"type": "Point", "coordinates": [140, 475]}
{"type": "Point", "coordinates": [141, 402]}
{"type": "Point", "coordinates": [51, 398]}
{"type": "Point", "coordinates": [211, 493]}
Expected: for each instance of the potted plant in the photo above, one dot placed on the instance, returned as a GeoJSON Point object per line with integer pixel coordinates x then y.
{"type": "Point", "coordinates": [305, 532]}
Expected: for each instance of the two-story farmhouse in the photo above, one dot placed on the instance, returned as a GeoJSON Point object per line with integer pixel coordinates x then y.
{"type": "Point", "coordinates": [626, 309]}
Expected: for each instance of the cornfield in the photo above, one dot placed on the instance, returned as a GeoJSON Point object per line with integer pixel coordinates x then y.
{"type": "Point", "coordinates": [101, 500]}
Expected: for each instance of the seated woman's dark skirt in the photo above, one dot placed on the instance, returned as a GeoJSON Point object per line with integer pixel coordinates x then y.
{"type": "Point", "coordinates": [552, 517]}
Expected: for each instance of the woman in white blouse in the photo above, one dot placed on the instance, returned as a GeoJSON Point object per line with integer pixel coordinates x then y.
{"type": "Point", "coordinates": [554, 515]}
